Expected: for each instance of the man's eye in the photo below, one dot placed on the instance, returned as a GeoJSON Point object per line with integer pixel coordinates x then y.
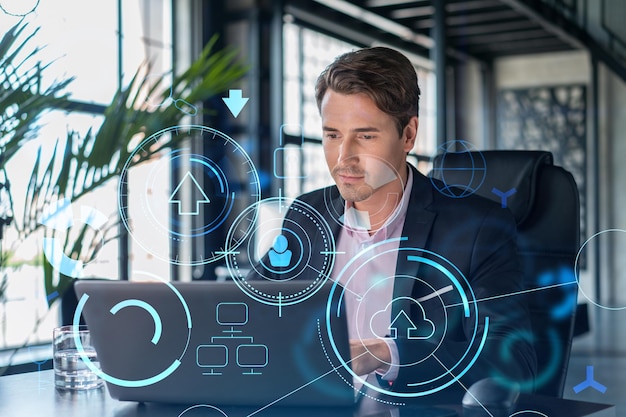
{"type": "Point", "coordinates": [367, 137]}
{"type": "Point", "coordinates": [331, 135]}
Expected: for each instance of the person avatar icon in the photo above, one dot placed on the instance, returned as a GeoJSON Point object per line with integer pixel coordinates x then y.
{"type": "Point", "coordinates": [279, 255]}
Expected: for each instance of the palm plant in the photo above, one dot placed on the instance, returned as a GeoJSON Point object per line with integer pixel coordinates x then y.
{"type": "Point", "coordinates": [22, 102]}
{"type": "Point", "coordinates": [80, 163]}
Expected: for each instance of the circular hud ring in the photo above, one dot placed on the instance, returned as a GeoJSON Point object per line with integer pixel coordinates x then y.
{"type": "Point", "coordinates": [201, 201]}
{"type": "Point", "coordinates": [289, 241]}
{"type": "Point", "coordinates": [135, 303]}
{"type": "Point", "coordinates": [452, 296]}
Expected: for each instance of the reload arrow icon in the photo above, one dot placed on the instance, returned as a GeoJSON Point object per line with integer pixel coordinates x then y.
{"type": "Point", "coordinates": [235, 101]}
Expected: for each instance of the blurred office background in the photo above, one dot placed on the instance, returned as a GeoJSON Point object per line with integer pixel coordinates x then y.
{"type": "Point", "coordinates": [494, 74]}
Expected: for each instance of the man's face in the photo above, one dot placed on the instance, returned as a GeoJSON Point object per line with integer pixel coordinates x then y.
{"type": "Point", "coordinates": [365, 154]}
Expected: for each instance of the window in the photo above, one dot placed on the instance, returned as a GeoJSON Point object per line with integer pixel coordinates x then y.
{"type": "Point", "coordinates": [101, 46]}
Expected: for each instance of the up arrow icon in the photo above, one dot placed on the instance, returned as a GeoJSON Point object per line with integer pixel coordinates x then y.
{"type": "Point", "coordinates": [235, 101]}
{"type": "Point", "coordinates": [177, 198]}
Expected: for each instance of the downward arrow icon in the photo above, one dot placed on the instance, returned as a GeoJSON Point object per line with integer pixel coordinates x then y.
{"type": "Point", "coordinates": [235, 101]}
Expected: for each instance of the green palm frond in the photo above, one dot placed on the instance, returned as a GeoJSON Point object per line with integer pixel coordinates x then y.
{"type": "Point", "coordinates": [81, 162]}
{"type": "Point", "coordinates": [95, 158]}
{"type": "Point", "coordinates": [22, 100]}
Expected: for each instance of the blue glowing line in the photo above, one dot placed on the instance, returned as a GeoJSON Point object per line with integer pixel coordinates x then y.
{"type": "Point", "coordinates": [467, 368]}
{"type": "Point", "coordinates": [518, 413]}
{"type": "Point", "coordinates": [447, 273]}
{"type": "Point", "coordinates": [294, 391]}
{"type": "Point", "coordinates": [185, 306]}
{"type": "Point", "coordinates": [460, 169]}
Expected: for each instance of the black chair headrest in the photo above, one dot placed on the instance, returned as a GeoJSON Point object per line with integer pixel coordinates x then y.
{"type": "Point", "coordinates": [502, 172]}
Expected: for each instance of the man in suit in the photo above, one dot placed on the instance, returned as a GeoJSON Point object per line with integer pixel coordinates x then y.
{"type": "Point", "coordinates": [422, 273]}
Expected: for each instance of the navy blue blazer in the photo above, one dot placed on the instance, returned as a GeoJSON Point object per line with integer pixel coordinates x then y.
{"type": "Point", "coordinates": [469, 243]}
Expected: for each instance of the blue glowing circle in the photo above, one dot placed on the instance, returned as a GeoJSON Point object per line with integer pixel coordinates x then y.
{"type": "Point", "coordinates": [125, 382]}
{"type": "Point", "coordinates": [161, 212]}
{"type": "Point", "coordinates": [469, 307]}
{"type": "Point", "coordinates": [454, 182]}
{"type": "Point", "coordinates": [272, 213]}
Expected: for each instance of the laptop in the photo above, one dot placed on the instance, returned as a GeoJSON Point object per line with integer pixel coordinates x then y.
{"type": "Point", "coordinates": [209, 342]}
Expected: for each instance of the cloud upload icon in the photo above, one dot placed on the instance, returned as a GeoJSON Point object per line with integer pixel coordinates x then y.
{"type": "Point", "coordinates": [402, 326]}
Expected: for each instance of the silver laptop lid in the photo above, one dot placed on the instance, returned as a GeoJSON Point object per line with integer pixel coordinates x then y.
{"type": "Point", "coordinates": [209, 342]}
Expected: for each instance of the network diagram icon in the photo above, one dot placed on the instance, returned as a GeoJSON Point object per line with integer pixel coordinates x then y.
{"type": "Point", "coordinates": [247, 354]}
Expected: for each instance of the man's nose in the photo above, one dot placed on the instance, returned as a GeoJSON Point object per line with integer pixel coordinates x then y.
{"type": "Point", "coordinates": [347, 150]}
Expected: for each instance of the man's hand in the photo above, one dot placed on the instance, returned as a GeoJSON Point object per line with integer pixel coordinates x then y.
{"type": "Point", "coordinates": [369, 355]}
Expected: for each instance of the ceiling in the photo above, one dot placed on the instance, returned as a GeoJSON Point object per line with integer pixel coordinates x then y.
{"type": "Point", "coordinates": [480, 29]}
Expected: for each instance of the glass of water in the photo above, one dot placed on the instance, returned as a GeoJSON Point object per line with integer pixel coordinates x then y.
{"type": "Point", "coordinates": [70, 370]}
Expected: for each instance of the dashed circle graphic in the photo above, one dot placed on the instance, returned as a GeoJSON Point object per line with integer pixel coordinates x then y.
{"type": "Point", "coordinates": [194, 187]}
{"type": "Point", "coordinates": [466, 301]}
{"type": "Point", "coordinates": [302, 227]}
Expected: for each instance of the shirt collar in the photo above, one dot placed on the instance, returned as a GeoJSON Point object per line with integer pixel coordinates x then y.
{"type": "Point", "coordinates": [357, 223]}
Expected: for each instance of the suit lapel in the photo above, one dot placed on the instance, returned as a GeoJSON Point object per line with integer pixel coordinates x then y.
{"type": "Point", "coordinates": [334, 210]}
{"type": "Point", "coordinates": [417, 228]}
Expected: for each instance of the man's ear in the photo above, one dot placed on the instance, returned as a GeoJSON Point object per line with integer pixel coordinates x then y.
{"type": "Point", "coordinates": [410, 133]}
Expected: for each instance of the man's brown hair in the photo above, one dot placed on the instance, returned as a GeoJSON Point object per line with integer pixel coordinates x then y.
{"type": "Point", "coordinates": [383, 74]}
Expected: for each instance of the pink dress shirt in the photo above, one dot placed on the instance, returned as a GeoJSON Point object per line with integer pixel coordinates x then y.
{"type": "Point", "coordinates": [368, 280]}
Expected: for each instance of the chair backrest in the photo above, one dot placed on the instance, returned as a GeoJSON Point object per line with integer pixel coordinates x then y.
{"type": "Point", "coordinates": [544, 201]}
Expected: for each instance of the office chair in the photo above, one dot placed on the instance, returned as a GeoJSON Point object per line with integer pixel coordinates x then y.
{"type": "Point", "coordinates": [544, 201]}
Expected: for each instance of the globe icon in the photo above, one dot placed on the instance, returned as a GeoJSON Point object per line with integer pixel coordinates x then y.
{"type": "Point", "coordinates": [459, 169]}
